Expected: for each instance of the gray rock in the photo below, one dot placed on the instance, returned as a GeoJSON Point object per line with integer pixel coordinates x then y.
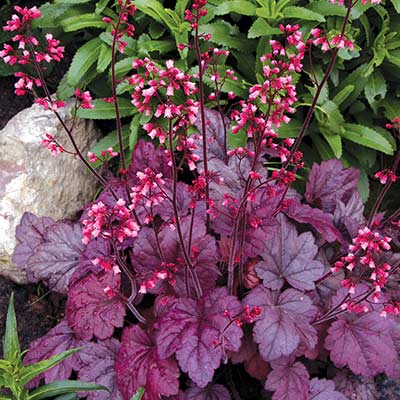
{"type": "Point", "coordinates": [32, 180]}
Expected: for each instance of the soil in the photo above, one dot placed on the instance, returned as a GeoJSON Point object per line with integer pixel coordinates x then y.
{"type": "Point", "coordinates": [37, 310]}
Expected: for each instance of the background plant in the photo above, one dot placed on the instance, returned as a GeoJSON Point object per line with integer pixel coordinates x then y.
{"type": "Point", "coordinates": [360, 92]}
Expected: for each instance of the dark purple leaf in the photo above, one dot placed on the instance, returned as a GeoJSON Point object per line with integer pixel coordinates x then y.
{"type": "Point", "coordinates": [210, 392]}
{"type": "Point", "coordinates": [350, 215]}
{"type": "Point", "coordinates": [290, 257]}
{"type": "Point", "coordinates": [199, 333]}
{"type": "Point", "coordinates": [139, 365]}
{"type": "Point", "coordinates": [56, 259]}
{"type": "Point", "coordinates": [146, 155]}
{"type": "Point", "coordinates": [249, 355]}
{"type": "Point", "coordinates": [315, 217]}
{"type": "Point", "coordinates": [90, 311]}
{"type": "Point", "coordinates": [284, 322]}
{"type": "Point", "coordinates": [356, 387]}
{"type": "Point", "coordinates": [329, 182]}
{"type": "Point", "coordinates": [323, 389]}
{"type": "Point", "coordinates": [29, 234]}
{"type": "Point", "coordinates": [147, 260]}
{"type": "Point", "coordinates": [288, 380]}
{"type": "Point", "coordinates": [214, 133]}
{"type": "Point", "coordinates": [95, 248]}
{"type": "Point", "coordinates": [362, 343]}
{"type": "Point", "coordinates": [57, 340]}
{"type": "Point", "coordinates": [260, 227]}
{"type": "Point", "coordinates": [97, 365]}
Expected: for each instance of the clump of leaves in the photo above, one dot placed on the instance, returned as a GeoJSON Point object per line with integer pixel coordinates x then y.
{"type": "Point", "coordinates": [360, 90]}
{"type": "Point", "coordinates": [15, 376]}
{"type": "Point", "coordinates": [199, 263]}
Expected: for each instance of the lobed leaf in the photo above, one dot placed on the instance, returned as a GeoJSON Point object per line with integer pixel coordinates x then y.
{"type": "Point", "coordinates": [284, 322]}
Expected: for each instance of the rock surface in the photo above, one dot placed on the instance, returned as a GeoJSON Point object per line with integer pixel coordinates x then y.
{"type": "Point", "coordinates": [32, 180]}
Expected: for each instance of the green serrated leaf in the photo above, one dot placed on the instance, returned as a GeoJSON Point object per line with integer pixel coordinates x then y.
{"type": "Point", "coordinates": [11, 347]}
{"type": "Point", "coordinates": [375, 88]}
{"type": "Point", "coordinates": [111, 140]}
{"type": "Point", "coordinates": [134, 131]}
{"type": "Point", "coordinates": [322, 147]}
{"type": "Point", "coordinates": [101, 5]}
{"type": "Point", "coordinates": [138, 395]}
{"type": "Point", "coordinates": [396, 5]}
{"type": "Point", "coordinates": [391, 108]}
{"type": "Point", "coordinates": [82, 21]}
{"type": "Point", "coordinates": [63, 387]}
{"type": "Point", "coordinates": [327, 9]}
{"type": "Point", "coordinates": [302, 13]}
{"type": "Point", "coordinates": [366, 137]}
{"type": "Point", "coordinates": [261, 28]}
{"type": "Point", "coordinates": [50, 14]}
{"type": "Point", "coordinates": [241, 7]}
{"type": "Point", "coordinates": [291, 130]}
{"type": "Point", "coordinates": [180, 7]}
{"type": "Point", "coordinates": [29, 372]}
{"type": "Point", "coordinates": [227, 35]}
{"type": "Point", "coordinates": [104, 60]}
{"type": "Point", "coordinates": [343, 94]}
{"type": "Point", "coordinates": [84, 58]}
{"type": "Point", "coordinates": [104, 110]}
{"type": "Point", "coordinates": [334, 141]}
{"type": "Point", "coordinates": [146, 45]}
{"type": "Point", "coordinates": [123, 66]}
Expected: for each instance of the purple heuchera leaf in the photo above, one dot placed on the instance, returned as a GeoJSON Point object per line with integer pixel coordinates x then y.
{"type": "Point", "coordinates": [97, 365]}
{"type": "Point", "coordinates": [29, 234]}
{"type": "Point", "coordinates": [261, 225]}
{"type": "Point", "coordinates": [210, 392]}
{"type": "Point", "coordinates": [284, 322]}
{"type": "Point", "coordinates": [90, 311]}
{"type": "Point", "coordinates": [57, 340]}
{"type": "Point", "coordinates": [362, 343]}
{"type": "Point", "coordinates": [320, 221]}
{"type": "Point", "coordinates": [288, 380]}
{"type": "Point", "coordinates": [99, 247]}
{"type": "Point", "coordinates": [214, 133]}
{"type": "Point", "coordinates": [323, 389]}
{"type": "Point", "coordinates": [147, 260]}
{"type": "Point", "coordinates": [199, 333]}
{"type": "Point", "coordinates": [139, 365]}
{"type": "Point", "coordinates": [56, 259]}
{"type": "Point", "coordinates": [350, 215]}
{"type": "Point", "coordinates": [355, 387]}
{"type": "Point", "coordinates": [290, 257]}
{"type": "Point", "coordinates": [329, 182]}
{"type": "Point", "coordinates": [146, 155]}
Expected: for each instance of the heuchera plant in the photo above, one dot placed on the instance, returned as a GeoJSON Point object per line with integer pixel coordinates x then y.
{"type": "Point", "coordinates": [196, 262]}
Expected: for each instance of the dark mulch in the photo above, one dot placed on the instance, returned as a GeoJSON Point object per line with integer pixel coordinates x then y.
{"type": "Point", "coordinates": [37, 310]}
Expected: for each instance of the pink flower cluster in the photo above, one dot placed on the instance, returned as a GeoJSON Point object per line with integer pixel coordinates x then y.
{"type": "Point", "coordinates": [166, 273]}
{"type": "Point", "coordinates": [104, 155]}
{"type": "Point", "coordinates": [84, 99]}
{"type": "Point", "coordinates": [113, 222]}
{"type": "Point", "coordinates": [337, 41]}
{"type": "Point", "coordinates": [122, 26]}
{"type": "Point", "coordinates": [366, 251]}
{"type": "Point", "coordinates": [149, 192]}
{"type": "Point", "coordinates": [154, 88]}
{"type": "Point", "coordinates": [50, 143]}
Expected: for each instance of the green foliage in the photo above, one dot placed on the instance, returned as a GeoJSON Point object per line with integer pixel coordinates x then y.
{"type": "Point", "coordinates": [14, 375]}
{"type": "Point", "coordinates": [360, 95]}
